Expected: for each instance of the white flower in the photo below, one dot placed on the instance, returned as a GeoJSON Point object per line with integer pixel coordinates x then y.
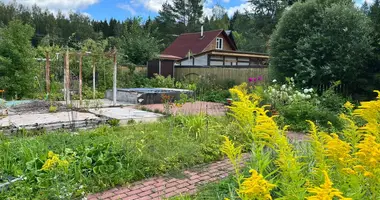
{"type": "Point", "coordinates": [303, 81]}
{"type": "Point", "coordinates": [311, 90]}
{"type": "Point", "coordinates": [305, 91]}
{"type": "Point", "coordinates": [274, 80]}
{"type": "Point", "coordinates": [308, 96]}
{"type": "Point", "coordinates": [283, 87]}
{"type": "Point", "coordinates": [292, 79]}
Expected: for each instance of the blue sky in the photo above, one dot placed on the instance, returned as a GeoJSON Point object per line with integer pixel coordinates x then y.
{"type": "Point", "coordinates": [123, 9]}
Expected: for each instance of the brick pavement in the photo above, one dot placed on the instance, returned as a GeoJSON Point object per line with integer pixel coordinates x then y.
{"type": "Point", "coordinates": [211, 108]}
{"type": "Point", "coordinates": [158, 188]}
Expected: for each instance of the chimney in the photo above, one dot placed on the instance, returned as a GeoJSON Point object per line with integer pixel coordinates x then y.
{"type": "Point", "coordinates": [202, 31]}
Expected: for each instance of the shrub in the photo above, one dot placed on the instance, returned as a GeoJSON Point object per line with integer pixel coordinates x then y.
{"type": "Point", "coordinates": [321, 43]}
{"type": "Point", "coordinates": [295, 114]}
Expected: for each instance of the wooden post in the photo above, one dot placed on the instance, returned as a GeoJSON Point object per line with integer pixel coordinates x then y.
{"type": "Point", "coordinates": [47, 73]}
{"type": "Point", "coordinates": [93, 78]}
{"type": "Point", "coordinates": [114, 97]}
{"type": "Point", "coordinates": [80, 78]}
{"type": "Point", "coordinates": [67, 78]}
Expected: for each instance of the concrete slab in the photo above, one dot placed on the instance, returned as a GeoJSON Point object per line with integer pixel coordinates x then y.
{"type": "Point", "coordinates": [29, 119]}
{"type": "Point", "coordinates": [126, 114]}
{"type": "Point", "coordinates": [96, 103]}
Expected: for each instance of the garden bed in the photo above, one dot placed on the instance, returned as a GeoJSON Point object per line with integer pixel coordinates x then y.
{"type": "Point", "coordinates": [70, 165]}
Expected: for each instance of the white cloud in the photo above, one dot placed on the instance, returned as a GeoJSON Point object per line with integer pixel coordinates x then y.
{"type": "Point", "coordinates": [156, 5]}
{"type": "Point", "coordinates": [56, 5]}
{"type": "Point", "coordinates": [128, 8]}
{"type": "Point", "coordinates": [242, 8]}
{"type": "Point", "coordinates": [152, 5]}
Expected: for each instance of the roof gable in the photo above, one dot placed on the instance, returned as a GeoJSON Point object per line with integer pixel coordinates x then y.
{"type": "Point", "coordinates": [193, 42]}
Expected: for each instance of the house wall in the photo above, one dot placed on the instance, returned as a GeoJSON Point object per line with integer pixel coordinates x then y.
{"type": "Point", "coordinates": [199, 61]}
{"type": "Point", "coordinates": [212, 45]}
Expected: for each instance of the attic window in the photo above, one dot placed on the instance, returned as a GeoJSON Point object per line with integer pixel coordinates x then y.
{"type": "Point", "coordinates": [219, 43]}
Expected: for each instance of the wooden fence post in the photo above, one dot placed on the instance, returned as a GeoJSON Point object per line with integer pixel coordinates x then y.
{"type": "Point", "coordinates": [67, 77]}
{"type": "Point", "coordinates": [114, 98]}
{"type": "Point", "coordinates": [93, 78]}
{"type": "Point", "coordinates": [80, 78]}
{"type": "Point", "coordinates": [47, 72]}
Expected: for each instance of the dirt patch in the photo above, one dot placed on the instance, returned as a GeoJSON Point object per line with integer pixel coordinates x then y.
{"type": "Point", "coordinates": [37, 107]}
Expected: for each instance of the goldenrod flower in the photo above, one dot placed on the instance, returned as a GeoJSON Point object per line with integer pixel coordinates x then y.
{"type": "Point", "coordinates": [325, 191]}
{"type": "Point", "coordinates": [359, 168]}
{"type": "Point", "coordinates": [349, 171]}
{"type": "Point", "coordinates": [349, 106]}
{"type": "Point", "coordinates": [256, 187]}
{"type": "Point", "coordinates": [337, 150]}
{"type": "Point", "coordinates": [369, 152]}
{"type": "Point", "coordinates": [368, 174]}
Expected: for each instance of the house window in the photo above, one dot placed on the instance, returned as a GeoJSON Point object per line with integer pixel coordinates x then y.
{"type": "Point", "coordinates": [219, 43]}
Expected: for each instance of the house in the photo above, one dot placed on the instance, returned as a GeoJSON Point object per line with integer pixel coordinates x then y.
{"type": "Point", "coordinates": [212, 48]}
{"type": "Point", "coordinates": [205, 49]}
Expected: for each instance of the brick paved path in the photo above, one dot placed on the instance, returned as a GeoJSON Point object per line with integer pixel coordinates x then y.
{"type": "Point", "coordinates": [163, 187]}
{"type": "Point", "coordinates": [214, 109]}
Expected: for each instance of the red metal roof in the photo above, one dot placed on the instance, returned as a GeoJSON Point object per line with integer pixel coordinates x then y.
{"type": "Point", "coordinates": [191, 41]}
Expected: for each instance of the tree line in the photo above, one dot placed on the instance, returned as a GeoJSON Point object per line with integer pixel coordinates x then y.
{"type": "Point", "coordinates": [26, 33]}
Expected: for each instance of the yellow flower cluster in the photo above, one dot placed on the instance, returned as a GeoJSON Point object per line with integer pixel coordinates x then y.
{"type": "Point", "coordinates": [369, 111]}
{"type": "Point", "coordinates": [256, 187]}
{"type": "Point", "coordinates": [352, 155]}
{"type": "Point", "coordinates": [368, 155]}
{"type": "Point", "coordinates": [54, 161]}
{"type": "Point", "coordinates": [337, 149]}
{"type": "Point", "coordinates": [233, 153]}
{"type": "Point", "coordinates": [349, 106]}
{"type": "Point", "coordinates": [325, 191]}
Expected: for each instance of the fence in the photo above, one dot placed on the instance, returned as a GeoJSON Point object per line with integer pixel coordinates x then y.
{"type": "Point", "coordinates": [239, 74]}
{"type": "Point", "coordinates": [337, 88]}
{"type": "Point", "coordinates": [137, 68]}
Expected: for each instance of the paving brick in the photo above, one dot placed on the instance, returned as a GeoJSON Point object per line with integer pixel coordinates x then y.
{"type": "Point", "coordinates": [147, 188]}
{"type": "Point", "coordinates": [146, 193]}
{"type": "Point", "coordinates": [133, 192]}
{"type": "Point", "coordinates": [149, 182]}
{"type": "Point", "coordinates": [118, 197]}
{"type": "Point", "coordinates": [122, 190]}
{"type": "Point", "coordinates": [171, 184]}
{"type": "Point", "coordinates": [145, 198]}
{"type": "Point", "coordinates": [182, 185]}
{"type": "Point", "coordinates": [167, 190]}
{"type": "Point", "coordinates": [171, 194]}
{"type": "Point", "coordinates": [182, 190]}
{"type": "Point", "coordinates": [195, 177]}
{"type": "Point", "coordinates": [106, 195]}
{"type": "Point", "coordinates": [157, 194]}
{"type": "Point", "coordinates": [194, 181]}
{"type": "Point", "coordinates": [131, 197]}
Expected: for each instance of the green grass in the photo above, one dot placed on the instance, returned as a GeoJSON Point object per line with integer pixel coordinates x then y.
{"type": "Point", "coordinates": [106, 157]}
{"type": "Point", "coordinates": [213, 191]}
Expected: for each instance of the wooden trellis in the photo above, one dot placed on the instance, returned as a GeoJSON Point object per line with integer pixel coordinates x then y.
{"type": "Point", "coordinates": [66, 83]}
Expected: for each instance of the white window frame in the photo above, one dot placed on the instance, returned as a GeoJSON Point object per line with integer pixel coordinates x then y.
{"type": "Point", "coordinates": [219, 42]}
